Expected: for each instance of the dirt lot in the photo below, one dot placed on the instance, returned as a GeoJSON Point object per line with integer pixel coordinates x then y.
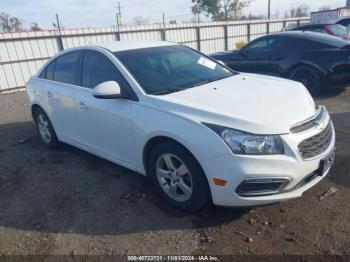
{"type": "Point", "coordinates": [70, 202]}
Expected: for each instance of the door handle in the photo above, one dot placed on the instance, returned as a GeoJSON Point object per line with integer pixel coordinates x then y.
{"type": "Point", "coordinates": [83, 106]}
{"type": "Point", "coordinates": [49, 94]}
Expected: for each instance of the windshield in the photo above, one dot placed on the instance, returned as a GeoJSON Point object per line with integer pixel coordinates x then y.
{"type": "Point", "coordinates": [338, 30]}
{"type": "Point", "coordinates": [166, 69]}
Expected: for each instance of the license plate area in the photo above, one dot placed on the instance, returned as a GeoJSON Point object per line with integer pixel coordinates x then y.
{"type": "Point", "coordinates": [326, 163]}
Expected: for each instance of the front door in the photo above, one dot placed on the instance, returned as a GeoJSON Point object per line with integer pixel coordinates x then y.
{"type": "Point", "coordinates": [261, 56]}
{"type": "Point", "coordinates": [105, 125]}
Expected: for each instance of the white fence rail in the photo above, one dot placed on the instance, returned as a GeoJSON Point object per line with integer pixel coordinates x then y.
{"type": "Point", "coordinates": [22, 54]}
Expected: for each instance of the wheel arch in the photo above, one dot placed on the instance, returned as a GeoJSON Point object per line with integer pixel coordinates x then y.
{"type": "Point", "coordinates": [307, 64]}
{"type": "Point", "coordinates": [153, 141]}
{"type": "Point", "coordinates": [35, 107]}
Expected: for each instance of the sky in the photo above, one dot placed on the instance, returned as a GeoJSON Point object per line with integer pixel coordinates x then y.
{"type": "Point", "coordinates": [87, 13]}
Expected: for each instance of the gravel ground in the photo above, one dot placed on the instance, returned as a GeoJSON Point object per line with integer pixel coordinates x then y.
{"type": "Point", "coordinates": [71, 202]}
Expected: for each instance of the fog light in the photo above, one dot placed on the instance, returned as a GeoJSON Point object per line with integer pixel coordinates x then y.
{"type": "Point", "coordinates": [262, 186]}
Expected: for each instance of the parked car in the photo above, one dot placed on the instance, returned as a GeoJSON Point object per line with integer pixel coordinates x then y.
{"type": "Point", "coordinates": [329, 29]}
{"type": "Point", "coordinates": [200, 131]}
{"type": "Point", "coordinates": [344, 21]}
{"type": "Point", "coordinates": [316, 60]}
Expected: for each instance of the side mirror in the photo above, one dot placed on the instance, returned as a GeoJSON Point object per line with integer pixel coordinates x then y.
{"type": "Point", "coordinates": [107, 90]}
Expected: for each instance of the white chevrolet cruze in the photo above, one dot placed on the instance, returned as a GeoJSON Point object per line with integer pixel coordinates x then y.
{"type": "Point", "coordinates": [200, 131]}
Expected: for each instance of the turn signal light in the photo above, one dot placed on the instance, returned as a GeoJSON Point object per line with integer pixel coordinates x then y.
{"type": "Point", "coordinates": [219, 182]}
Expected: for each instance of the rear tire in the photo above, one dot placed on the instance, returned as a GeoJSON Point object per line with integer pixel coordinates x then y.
{"type": "Point", "coordinates": [309, 77]}
{"type": "Point", "coordinates": [45, 129]}
{"type": "Point", "coordinates": [178, 177]}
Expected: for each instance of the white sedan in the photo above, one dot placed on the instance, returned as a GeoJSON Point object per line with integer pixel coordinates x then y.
{"type": "Point", "coordinates": [199, 130]}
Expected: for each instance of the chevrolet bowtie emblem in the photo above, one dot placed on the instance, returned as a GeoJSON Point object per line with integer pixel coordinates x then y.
{"type": "Point", "coordinates": [320, 126]}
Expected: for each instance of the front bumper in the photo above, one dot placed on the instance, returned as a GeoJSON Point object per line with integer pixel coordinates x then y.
{"type": "Point", "coordinates": [237, 168]}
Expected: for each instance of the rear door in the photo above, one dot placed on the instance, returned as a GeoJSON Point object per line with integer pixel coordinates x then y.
{"type": "Point", "coordinates": [61, 79]}
{"type": "Point", "coordinates": [261, 56]}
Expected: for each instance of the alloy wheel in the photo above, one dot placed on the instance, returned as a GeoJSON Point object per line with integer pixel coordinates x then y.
{"type": "Point", "coordinates": [306, 78]}
{"type": "Point", "coordinates": [174, 177]}
{"type": "Point", "coordinates": [44, 129]}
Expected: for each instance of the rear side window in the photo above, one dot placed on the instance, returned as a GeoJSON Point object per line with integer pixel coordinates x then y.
{"type": "Point", "coordinates": [66, 68]}
{"type": "Point", "coordinates": [266, 44]}
{"type": "Point", "coordinates": [49, 70]}
{"type": "Point", "coordinates": [47, 73]}
{"type": "Point", "coordinates": [97, 69]}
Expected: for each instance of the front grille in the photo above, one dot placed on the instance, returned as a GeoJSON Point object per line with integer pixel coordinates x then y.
{"type": "Point", "coordinates": [309, 124]}
{"type": "Point", "coordinates": [317, 144]}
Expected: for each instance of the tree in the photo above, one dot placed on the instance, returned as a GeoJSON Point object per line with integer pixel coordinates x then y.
{"type": "Point", "coordinates": [300, 11]}
{"type": "Point", "coordinates": [324, 8]}
{"type": "Point", "coordinates": [140, 20]}
{"type": "Point", "coordinates": [10, 23]}
{"type": "Point", "coordinates": [35, 27]}
{"type": "Point", "coordinates": [219, 9]}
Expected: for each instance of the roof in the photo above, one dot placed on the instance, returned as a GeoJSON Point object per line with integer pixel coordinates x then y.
{"type": "Point", "coordinates": [311, 26]}
{"type": "Point", "coordinates": [129, 45]}
{"type": "Point", "coordinates": [323, 38]}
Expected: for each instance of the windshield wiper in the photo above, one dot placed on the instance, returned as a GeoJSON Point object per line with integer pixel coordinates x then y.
{"type": "Point", "coordinates": [202, 83]}
{"type": "Point", "coordinates": [169, 90]}
{"type": "Point", "coordinates": [180, 88]}
{"type": "Point", "coordinates": [209, 80]}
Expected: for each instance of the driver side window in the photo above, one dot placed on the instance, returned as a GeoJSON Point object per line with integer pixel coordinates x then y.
{"type": "Point", "coordinates": [265, 45]}
{"type": "Point", "coordinates": [97, 69]}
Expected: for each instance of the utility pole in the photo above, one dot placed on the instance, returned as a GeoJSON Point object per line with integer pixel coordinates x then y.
{"type": "Point", "coordinates": [60, 42]}
{"type": "Point", "coordinates": [269, 10]}
{"type": "Point", "coordinates": [119, 13]}
{"type": "Point", "coordinates": [163, 30]}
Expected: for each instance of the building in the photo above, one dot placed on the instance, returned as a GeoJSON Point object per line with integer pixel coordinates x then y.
{"type": "Point", "coordinates": [348, 3]}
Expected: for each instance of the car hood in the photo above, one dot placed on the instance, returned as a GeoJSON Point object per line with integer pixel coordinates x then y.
{"type": "Point", "coordinates": [224, 53]}
{"type": "Point", "coordinates": [252, 103]}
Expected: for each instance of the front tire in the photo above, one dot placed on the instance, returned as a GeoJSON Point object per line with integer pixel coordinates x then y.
{"type": "Point", "coordinates": [309, 77]}
{"type": "Point", "coordinates": [45, 129]}
{"type": "Point", "coordinates": [178, 177]}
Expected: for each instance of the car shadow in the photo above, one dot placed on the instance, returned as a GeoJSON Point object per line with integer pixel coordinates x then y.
{"type": "Point", "coordinates": [70, 191]}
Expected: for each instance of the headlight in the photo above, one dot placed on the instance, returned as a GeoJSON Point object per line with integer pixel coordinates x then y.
{"type": "Point", "coordinates": [243, 143]}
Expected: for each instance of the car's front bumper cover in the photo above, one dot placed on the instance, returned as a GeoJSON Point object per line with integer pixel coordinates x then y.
{"type": "Point", "coordinates": [303, 174]}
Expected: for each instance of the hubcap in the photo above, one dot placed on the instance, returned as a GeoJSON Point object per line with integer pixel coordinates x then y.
{"type": "Point", "coordinates": [306, 78]}
{"type": "Point", "coordinates": [44, 130]}
{"type": "Point", "coordinates": [174, 177]}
